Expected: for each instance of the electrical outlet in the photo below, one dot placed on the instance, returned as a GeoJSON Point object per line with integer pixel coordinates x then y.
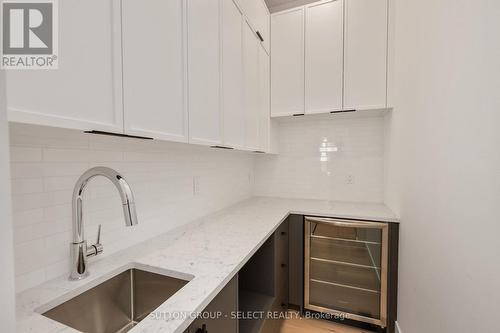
{"type": "Point", "coordinates": [196, 186]}
{"type": "Point", "coordinates": [349, 180]}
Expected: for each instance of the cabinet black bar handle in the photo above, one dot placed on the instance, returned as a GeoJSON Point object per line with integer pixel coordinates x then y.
{"type": "Point", "coordinates": [298, 114]}
{"type": "Point", "coordinates": [342, 111]}
{"type": "Point", "coordinates": [119, 135]}
{"type": "Point", "coordinates": [222, 147]}
{"type": "Point", "coordinates": [260, 36]}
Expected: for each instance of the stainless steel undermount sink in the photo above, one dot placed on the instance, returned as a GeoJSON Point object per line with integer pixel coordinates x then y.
{"type": "Point", "coordinates": [117, 304]}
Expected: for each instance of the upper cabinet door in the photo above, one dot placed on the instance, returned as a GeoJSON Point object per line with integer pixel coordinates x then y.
{"type": "Point", "coordinates": [258, 17]}
{"type": "Point", "coordinates": [323, 56]}
{"type": "Point", "coordinates": [86, 91]}
{"type": "Point", "coordinates": [287, 62]}
{"type": "Point", "coordinates": [365, 67]}
{"type": "Point", "coordinates": [232, 75]}
{"type": "Point", "coordinates": [264, 116]}
{"type": "Point", "coordinates": [263, 24]}
{"type": "Point", "coordinates": [154, 99]}
{"type": "Point", "coordinates": [251, 87]}
{"type": "Point", "coordinates": [204, 44]}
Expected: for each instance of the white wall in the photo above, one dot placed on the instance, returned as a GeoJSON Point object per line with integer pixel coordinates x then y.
{"type": "Point", "coordinates": [445, 141]}
{"type": "Point", "coordinates": [46, 162]}
{"type": "Point", "coordinates": [331, 157]}
{"type": "Point", "coordinates": [7, 303]}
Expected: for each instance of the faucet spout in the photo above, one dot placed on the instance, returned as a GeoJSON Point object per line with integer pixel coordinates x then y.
{"type": "Point", "coordinates": [127, 201]}
{"type": "Point", "coordinates": [79, 251]}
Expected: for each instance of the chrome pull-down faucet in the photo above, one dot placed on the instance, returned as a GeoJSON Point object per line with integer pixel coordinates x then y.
{"type": "Point", "coordinates": [79, 250]}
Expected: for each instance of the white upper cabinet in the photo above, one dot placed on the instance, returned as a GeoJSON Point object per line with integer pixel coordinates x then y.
{"type": "Point", "coordinates": [329, 56]}
{"type": "Point", "coordinates": [232, 75]}
{"type": "Point", "coordinates": [204, 82]}
{"type": "Point", "coordinates": [178, 70]}
{"type": "Point", "coordinates": [365, 66]}
{"type": "Point", "coordinates": [85, 92]}
{"type": "Point", "coordinates": [258, 17]}
{"type": "Point", "coordinates": [154, 99]}
{"type": "Point", "coordinates": [287, 62]}
{"type": "Point", "coordinates": [251, 86]}
{"type": "Point", "coordinates": [324, 56]}
{"type": "Point", "coordinates": [264, 116]}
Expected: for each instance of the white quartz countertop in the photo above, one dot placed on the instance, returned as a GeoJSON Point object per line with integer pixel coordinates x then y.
{"type": "Point", "coordinates": [208, 252]}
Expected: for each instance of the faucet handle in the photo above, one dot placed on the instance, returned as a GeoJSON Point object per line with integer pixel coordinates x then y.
{"type": "Point", "coordinates": [98, 235]}
{"type": "Point", "coordinates": [97, 248]}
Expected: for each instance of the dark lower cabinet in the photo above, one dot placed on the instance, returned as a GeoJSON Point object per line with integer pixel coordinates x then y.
{"type": "Point", "coordinates": [219, 315]}
{"type": "Point", "coordinates": [272, 282]}
{"type": "Point", "coordinates": [296, 262]}
{"type": "Point", "coordinates": [280, 303]}
{"type": "Point", "coordinates": [263, 285]}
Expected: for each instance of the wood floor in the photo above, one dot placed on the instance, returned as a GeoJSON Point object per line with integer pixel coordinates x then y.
{"type": "Point", "coordinates": [301, 325]}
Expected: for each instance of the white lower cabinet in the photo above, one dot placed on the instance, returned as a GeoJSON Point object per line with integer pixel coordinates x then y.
{"type": "Point", "coordinates": [204, 82]}
{"type": "Point", "coordinates": [154, 91]}
{"type": "Point", "coordinates": [85, 92]}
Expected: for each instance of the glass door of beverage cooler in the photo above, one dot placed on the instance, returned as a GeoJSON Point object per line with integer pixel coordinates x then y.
{"type": "Point", "coordinates": [346, 268]}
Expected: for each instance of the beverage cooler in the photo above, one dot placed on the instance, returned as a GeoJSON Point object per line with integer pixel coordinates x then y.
{"type": "Point", "coordinates": [345, 267]}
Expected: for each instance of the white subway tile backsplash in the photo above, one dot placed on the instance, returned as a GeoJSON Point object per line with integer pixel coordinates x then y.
{"type": "Point", "coordinates": [58, 169]}
{"type": "Point", "coordinates": [25, 154]}
{"type": "Point", "coordinates": [56, 269]}
{"type": "Point", "coordinates": [66, 155]}
{"type": "Point", "coordinates": [27, 186]}
{"type": "Point", "coordinates": [102, 156]}
{"type": "Point", "coordinates": [30, 279]}
{"type": "Point", "coordinates": [57, 245]}
{"type": "Point", "coordinates": [46, 163]}
{"type": "Point", "coordinates": [57, 212]}
{"type": "Point", "coordinates": [30, 256]}
{"type": "Point", "coordinates": [27, 217]}
{"type": "Point", "coordinates": [325, 158]}
{"type": "Point", "coordinates": [333, 159]}
{"type": "Point", "coordinates": [31, 201]}
{"type": "Point", "coordinates": [26, 170]}
{"type": "Point", "coordinates": [59, 183]}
